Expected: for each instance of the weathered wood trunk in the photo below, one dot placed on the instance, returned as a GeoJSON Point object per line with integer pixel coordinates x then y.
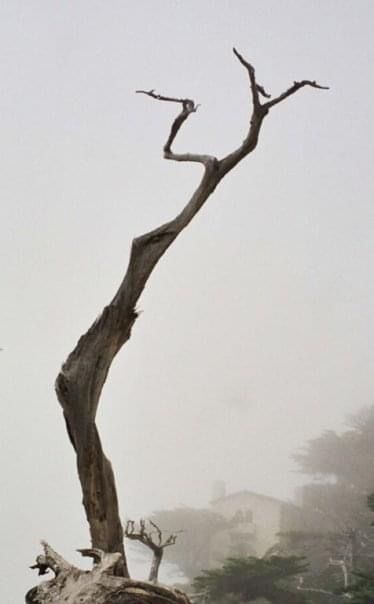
{"type": "Point", "coordinates": [83, 375]}
{"type": "Point", "coordinates": [99, 586]}
{"type": "Point", "coordinates": [92, 589]}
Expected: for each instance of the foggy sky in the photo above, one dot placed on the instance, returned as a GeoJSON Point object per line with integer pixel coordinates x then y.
{"type": "Point", "coordinates": [257, 326]}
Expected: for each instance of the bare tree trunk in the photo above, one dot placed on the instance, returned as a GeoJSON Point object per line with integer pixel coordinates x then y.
{"type": "Point", "coordinates": [156, 563]}
{"type": "Point", "coordinates": [82, 376]}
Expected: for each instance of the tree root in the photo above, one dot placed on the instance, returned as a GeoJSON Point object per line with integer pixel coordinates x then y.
{"type": "Point", "coordinates": [71, 585]}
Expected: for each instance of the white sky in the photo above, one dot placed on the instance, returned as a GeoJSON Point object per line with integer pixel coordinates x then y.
{"type": "Point", "coordinates": [258, 325]}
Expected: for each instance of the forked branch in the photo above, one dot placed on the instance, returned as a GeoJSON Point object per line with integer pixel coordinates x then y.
{"type": "Point", "coordinates": [294, 88]}
{"type": "Point", "coordinates": [50, 560]}
{"type": "Point", "coordinates": [259, 111]}
{"type": "Point", "coordinates": [146, 536]}
{"type": "Point", "coordinates": [188, 107]}
{"type": "Point", "coordinates": [255, 88]}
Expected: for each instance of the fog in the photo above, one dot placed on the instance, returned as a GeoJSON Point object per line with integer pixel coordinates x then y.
{"type": "Point", "coordinates": [256, 328]}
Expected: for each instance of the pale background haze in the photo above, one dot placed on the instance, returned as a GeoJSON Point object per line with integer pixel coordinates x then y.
{"type": "Point", "coordinates": [257, 328]}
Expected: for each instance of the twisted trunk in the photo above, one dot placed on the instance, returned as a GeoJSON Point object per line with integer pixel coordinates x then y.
{"type": "Point", "coordinates": [82, 376]}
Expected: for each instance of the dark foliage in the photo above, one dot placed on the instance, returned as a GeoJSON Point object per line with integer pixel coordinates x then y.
{"type": "Point", "coordinates": [250, 578]}
{"type": "Point", "coordinates": [362, 590]}
{"type": "Point", "coordinates": [347, 457]}
{"type": "Point", "coordinates": [342, 469]}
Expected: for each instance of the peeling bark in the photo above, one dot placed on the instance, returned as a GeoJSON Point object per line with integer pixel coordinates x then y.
{"type": "Point", "coordinates": [82, 376]}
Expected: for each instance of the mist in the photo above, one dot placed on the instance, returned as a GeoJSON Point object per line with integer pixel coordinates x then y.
{"type": "Point", "coordinates": [256, 329]}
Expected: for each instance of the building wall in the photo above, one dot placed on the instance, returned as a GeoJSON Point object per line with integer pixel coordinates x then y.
{"type": "Point", "coordinates": [255, 521]}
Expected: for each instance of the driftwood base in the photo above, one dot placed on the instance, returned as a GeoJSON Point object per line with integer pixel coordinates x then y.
{"type": "Point", "coordinates": [72, 585]}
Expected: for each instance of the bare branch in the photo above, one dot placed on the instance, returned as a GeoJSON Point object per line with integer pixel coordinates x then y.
{"type": "Point", "coordinates": [104, 563]}
{"type": "Point", "coordinates": [262, 91]}
{"type": "Point", "coordinates": [294, 88]}
{"type": "Point", "coordinates": [259, 111]}
{"type": "Point", "coordinates": [312, 589]}
{"type": "Point", "coordinates": [146, 537]}
{"type": "Point", "coordinates": [172, 99]}
{"type": "Point", "coordinates": [158, 531]}
{"type": "Point", "coordinates": [92, 552]}
{"type": "Point", "coordinates": [255, 88]}
{"type": "Point", "coordinates": [171, 540]}
{"type": "Point", "coordinates": [50, 559]}
{"type": "Point", "coordinates": [188, 107]}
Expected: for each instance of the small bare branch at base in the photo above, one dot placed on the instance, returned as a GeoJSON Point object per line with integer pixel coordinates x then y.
{"type": "Point", "coordinates": [145, 536]}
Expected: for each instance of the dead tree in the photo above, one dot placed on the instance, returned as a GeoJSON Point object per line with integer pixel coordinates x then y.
{"type": "Point", "coordinates": [147, 538]}
{"type": "Point", "coordinates": [83, 375]}
{"type": "Point", "coordinates": [99, 586]}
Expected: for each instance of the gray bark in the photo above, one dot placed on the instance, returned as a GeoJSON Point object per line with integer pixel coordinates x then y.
{"type": "Point", "coordinates": [155, 566]}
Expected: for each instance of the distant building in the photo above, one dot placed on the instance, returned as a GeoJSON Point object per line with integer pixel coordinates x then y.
{"type": "Point", "coordinates": [254, 522]}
